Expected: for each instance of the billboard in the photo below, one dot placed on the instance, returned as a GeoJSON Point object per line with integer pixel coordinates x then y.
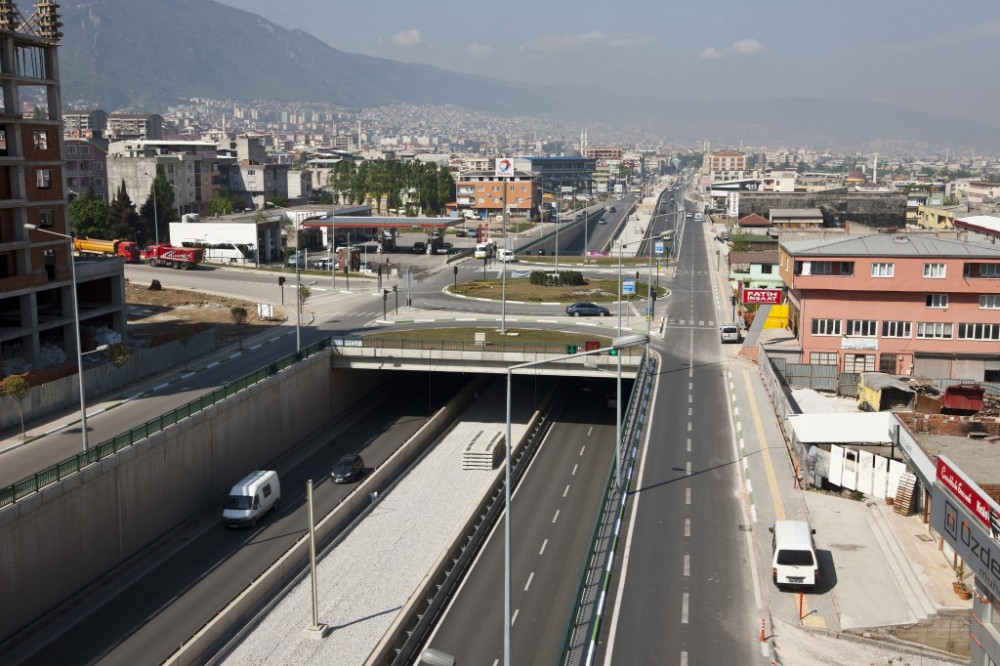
{"type": "Point", "coordinates": [504, 168]}
{"type": "Point", "coordinates": [968, 493]}
{"type": "Point", "coordinates": [734, 204]}
{"type": "Point", "coordinates": [762, 296]}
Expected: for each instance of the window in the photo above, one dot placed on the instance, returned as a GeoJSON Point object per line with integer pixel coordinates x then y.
{"type": "Point", "coordinates": [766, 269]}
{"type": "Point", "coordinates": [823, 358]}
{"type": "Point", "coordinates": [979, 331]}
{"type": "Point", "coordinates": [936, 300]}
{"type": "Point", "coordinates": [863, 327]}
{"type": "Point", "coordinates": [982, 270]}
{"type": "Point", "coordinates": [41, 139]}
{"type": "Point", "coordinates": [889, 363]}
{"type": "Point", "coordinates": [989, 301]}
{"type": "Point", "coordinates": [45, 218]}
{"type": "Point", "coordinates": [933, 331]}
{"type": "Point", "coordinates": [826, 327]}
{"type": "Point", "coordinates": [71, 150]}
{"type": "Point", "coordinates": [859, 362]}
{"type": "Point", "coordinates": [895, 329]}
{"type": "Point", "coordinates": [85, 150]}
{"type": "Point", "coordinates": [934, 270]}
{"type": "Point", "coordinates": [882, 270]}
{"type": "Point", "coordinates": [43, 179]}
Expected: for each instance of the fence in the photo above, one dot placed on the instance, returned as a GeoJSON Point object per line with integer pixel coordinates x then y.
{"type": "Point", "coordinates": [105, 378]}
{"type": "Point", "coordinates": [59, 471]}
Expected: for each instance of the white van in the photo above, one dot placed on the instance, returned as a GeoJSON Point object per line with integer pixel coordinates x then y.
{"type": "Point", "coordinates": [483, 250]}
{"type": "Point", "coordinates": [793, 560]}
{"type": "Point", "coordinates": [506, 255]}
{"type": "Point", "coordinates": [730, 332]}
{"type": "Point", "coordinates": [251, 499]}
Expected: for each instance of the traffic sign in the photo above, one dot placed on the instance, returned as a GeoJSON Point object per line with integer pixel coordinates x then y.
{"type": "Point", "coordinates": [658, 247]}
{"type": "Point", "coordinates": [628, 287]}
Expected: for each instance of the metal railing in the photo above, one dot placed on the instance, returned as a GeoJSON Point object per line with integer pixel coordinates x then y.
{"type": "Point", "coordinates": [55, 473]}
{"type": "Point", "coordinates": [555, 348]}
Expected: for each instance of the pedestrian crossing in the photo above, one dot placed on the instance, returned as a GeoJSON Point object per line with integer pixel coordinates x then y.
{"type": "Point", "coordinates": [690, 323]}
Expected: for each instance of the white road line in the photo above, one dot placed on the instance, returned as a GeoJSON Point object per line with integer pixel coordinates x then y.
{"type": "Point", "coordinates": [573, 473]}
{"type": "Point", "coordinates": [689, 444]}
{"type": "Point", "coordinates": [531, 577]}
{"type": "Point", "coordinates": [690, 386]}
{"type": "Point", "coordinates": [689, 426]}
{"type": "Point", "coordinates": [513, 618]}
{"type": "Point", "coordinates": [582, 449]}
{"type": "Point", "coordinates": [161, 386]}
{"type": "Point", "coordinates": [544, 544]}
{"type": "Point", "coordinates": [687, 565]}
{"type": "Point", "coordinates": [590, 430]}
{"type": "Point", "coordinates": [690, 411]}
{"type": "Point", "coordinates": [566, 492]}
{"type": "Point", "coordinates": [688, 468]}
{"type": "Point", "coordinates": [690, 398]}
{"type": "Point", "coordinates": [684, 659]}
{"type": "Point", "coordinates": [190, 374]}
{"type": "Point", "coordinates": [555, 517]}
{"type": "Point", "coordinates": [687, 527]}
{"type": "Point", "coordinates": [687, 495]}
{"type": "Point", "coordinates": [212, 364]}
{"type": "Point", "coordinates": [684, 609]}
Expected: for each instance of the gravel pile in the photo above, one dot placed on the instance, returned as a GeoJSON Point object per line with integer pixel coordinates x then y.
{"type": "Point", "coordinates": [369, 576]}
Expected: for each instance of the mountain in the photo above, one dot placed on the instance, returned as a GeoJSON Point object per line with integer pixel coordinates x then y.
{"type": "Point", "coordinates": [146, 54]}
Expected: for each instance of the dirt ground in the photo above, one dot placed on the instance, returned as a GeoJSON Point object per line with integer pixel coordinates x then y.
{"type": "Point", "coordinates": [155, 316]}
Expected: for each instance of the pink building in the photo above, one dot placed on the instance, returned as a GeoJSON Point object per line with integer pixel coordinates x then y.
{"type": "Point", "coordinates": [902, 304]}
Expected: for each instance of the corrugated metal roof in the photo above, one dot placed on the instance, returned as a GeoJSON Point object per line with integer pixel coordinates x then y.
{"type": "Point", "coordinates": [891, 245]}
{"type": "Point", "coordinates": [796, 212]}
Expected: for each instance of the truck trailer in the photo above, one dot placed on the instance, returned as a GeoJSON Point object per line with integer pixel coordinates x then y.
{"type": "Point", "coordinates": [172, 256]}
{"type": "Point", "coordinates": [126, 249]}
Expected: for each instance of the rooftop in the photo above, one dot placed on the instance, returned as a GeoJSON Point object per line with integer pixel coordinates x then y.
{"type": "Point", "coordinates": [891, 245]}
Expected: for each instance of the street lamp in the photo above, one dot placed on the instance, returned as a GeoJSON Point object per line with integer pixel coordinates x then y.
{"type": "Point", "coordinates": [76, 319]}
{"type": "Point", "coordinates": [299, 258]}
{"type": "Point", "coordinates": [616, 344]}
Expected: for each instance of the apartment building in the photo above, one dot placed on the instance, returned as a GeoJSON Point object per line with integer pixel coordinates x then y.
{"type": "Point", "coordinates": [482, 193]}
{"type": "Point", "coordinates": [726, 165]}
{"type": "Point", "coordinates": [896, 303]}
{"type": "Point", "coordinates": [123, 126]}
{"type": "Point", "coordinates": [37, 284]}
{"type": "Point", "coordinates": [191, 168]}
{"type": "Point", "coordinates": [86, 167]}
{"type": "Point", "coordinates": [604, 153]}
{"type": "Point", "coordinates": [83, 122]}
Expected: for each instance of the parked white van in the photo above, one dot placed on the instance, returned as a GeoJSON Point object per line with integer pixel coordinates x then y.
{"type": "Point", "coordinates": [506, 255]}
{"type": "Point", "coordinates": [793, 562]}
{"type": "Point", "coordinates": [251, 499]}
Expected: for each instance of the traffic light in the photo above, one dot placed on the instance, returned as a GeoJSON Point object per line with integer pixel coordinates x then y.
{"type": "Point", "coordinates": [654, 294]}
{"type": "Point", "coordinates": [281, 280]}
{"type": "Point", "coordinates": [591, 345]}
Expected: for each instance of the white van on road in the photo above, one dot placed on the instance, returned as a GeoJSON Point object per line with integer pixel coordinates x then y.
{"type": "Point", "coordinates": [251, 499]}
{"type": "Point", "coordinates": [506, 255]}
{"type": "Point", "coordinates": [793, 560]}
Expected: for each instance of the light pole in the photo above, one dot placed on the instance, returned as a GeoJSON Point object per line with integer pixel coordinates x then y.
{"type": "Point", "coordinates": [76, 319]}
{"type": "Point", "coordinates": [617, 344]}
{"type": "Point", "coordinates": [503, 264]}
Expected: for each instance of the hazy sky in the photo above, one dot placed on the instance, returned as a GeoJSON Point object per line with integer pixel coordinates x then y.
{"type": "Point", "coordinates": [930, 56]}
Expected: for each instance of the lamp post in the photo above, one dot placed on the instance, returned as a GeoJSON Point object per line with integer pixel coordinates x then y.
{"type": "Point", "coordinates": [299, 260]}
{"type": "Point", "coordinates": [76, 319]}
{"type": "Point", "coordinates": [503, 264]}
{"type": "Point", "coordinates": [617, 343]}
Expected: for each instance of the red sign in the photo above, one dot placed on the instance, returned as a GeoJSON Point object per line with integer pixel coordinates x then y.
{"type": "Point", "coordinates": [762, 296]}
{"type": "Point", "coordinates": [964, 490]}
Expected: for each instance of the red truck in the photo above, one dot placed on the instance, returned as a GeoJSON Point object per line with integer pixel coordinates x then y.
{"type": "Point", "coordinates": [172, 256]}
{"type": "Point", "coordinates": [126, 249]}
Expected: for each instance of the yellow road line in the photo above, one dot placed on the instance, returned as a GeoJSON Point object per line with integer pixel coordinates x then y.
{"type": "Point", "coordinates": [779, 507]}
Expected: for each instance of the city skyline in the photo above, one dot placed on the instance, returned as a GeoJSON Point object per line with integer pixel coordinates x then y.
{"type": "Point", "coordinates": [889, 52]}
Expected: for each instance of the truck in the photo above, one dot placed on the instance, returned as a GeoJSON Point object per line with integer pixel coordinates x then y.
{"type": "Point", "coordinates": [172, 256]}
{"type": "Point", "coordinates": [126, 249]}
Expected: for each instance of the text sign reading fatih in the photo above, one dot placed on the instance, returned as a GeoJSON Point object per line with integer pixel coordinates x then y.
{"type": "Point", "coordinates": [628, 287]}
{"type": "Point", "coordinates": [762, 296]}
{"type": "Point", "coordinates": [658, 247]}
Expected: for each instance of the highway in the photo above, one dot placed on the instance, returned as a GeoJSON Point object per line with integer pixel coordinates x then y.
{"type": "Point", "coordinates": [553, 518]}
{"type": "Point", "coordinates": [152, 605]}
{"type": "Point", "coordinates": [684, 593]}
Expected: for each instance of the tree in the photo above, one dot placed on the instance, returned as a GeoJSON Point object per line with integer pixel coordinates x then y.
{"type": "Point", "coordinates": [123, 220]}
{"type": "Point", "coordinates": [239, 316]}
{"type": "Point", "coordinates": [278, 200]}
{"type": "Point", "coordinates": [220, 204]}
{"type": "Point", "coordinates": [184, 333]}
{"type": "Point", "coordinates": [304, 294]}
{"type": "Point", "coordinates": [118, 355]}
{"type": "Point", "coordinates": [88, 216]}
{"type": "Point", "coordinates": [16, 388]}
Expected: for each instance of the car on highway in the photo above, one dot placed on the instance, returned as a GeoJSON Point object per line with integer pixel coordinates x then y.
{"type": "Point", "coordinates": [585, 309]}
{"type": "Point", "coordinates": [348, 469]}
{"type": "Point", "coordinates": [612, 210]}
{"type": "Point", "coordinates": [506, 255]}
{"type": "Point", "coordinates": [730, 332]}
{"type": "Point", "coordinates": [419, 248]}
{"type": "Point", "coordinates": [602, 221]}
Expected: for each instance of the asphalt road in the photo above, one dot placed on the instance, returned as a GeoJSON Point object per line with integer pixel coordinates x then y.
{"type": "Point", "coordinates": [684, 593]}
{"type": "Point", "coordinates": [553, 518]}
{"type": "Point", "coordinates": [154, 604]}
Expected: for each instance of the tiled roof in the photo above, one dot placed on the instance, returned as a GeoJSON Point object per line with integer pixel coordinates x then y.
{"type": "Point", "coordinates": [754, 220]}
{"type": "Point", "coordinates": [891, 245]}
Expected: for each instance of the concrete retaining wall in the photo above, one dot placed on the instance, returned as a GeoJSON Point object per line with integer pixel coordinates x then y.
{"type": "Point", "coordinates": [57, 541]}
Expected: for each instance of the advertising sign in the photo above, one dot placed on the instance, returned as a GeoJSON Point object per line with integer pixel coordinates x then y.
{"type": "Point", "coordinates": [966, 535]}
{"type": "Point", "coordinates": [734, 204]}
{"type": "Point", "coordinates": [504, 168]}
{"type": "Point", "coordinates": [968, 493]}
{"type": "Point", "coordinates": [762, 296]}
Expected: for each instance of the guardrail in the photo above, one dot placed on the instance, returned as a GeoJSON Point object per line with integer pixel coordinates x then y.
{"type": "Point", "coordinates": [555, 348]}
{"type": "Point", "coordinates": [55, 473]}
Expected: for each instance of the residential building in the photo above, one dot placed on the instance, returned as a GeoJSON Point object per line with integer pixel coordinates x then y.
{"type": "Point", "coordinates": [725, 165]}
{"type": "Point", "coordinates": [36, 274]}
{"type": "Point", "coordinates": [754, 270]}
{"type": "Point", "coordinates": [191, 168]}
{"type": "Point", "coordinates": [938, 217]}
{"type": "Point", "coordinates": [82, 122]}
{"type": "Point", "coordinates": [896, 303]}
{"type": "Point", "coordinates": [482, 193]}
{"type": "Point", "coordinates": [982, 191]}
{"type": "Point", "coordinates": [980, 228]}
{"type": "Point", "coordinates": [122, 126]}
{"type": "Point", "coordinates": [604, 153]}
{"type": "Point", "coordinates": [86, 167]}
{"type": "Point", "coordinates": [564, 171]}
{"type": "Point", "coordinates": [796, 218]}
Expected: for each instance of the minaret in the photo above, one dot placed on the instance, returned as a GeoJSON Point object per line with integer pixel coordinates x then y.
{"type": "Point", "coordinates": [875, 170]}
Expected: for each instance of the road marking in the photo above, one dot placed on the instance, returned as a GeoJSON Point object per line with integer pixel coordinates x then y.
{"type": "Point", "coordinates": [690, 411]}
{"type": "Point", "coordinates": [161, 386]}
{"type": "Point", "coordinates": [687, 495]}
{"type": "Point", "coordinates": [689, 444]}
{"type": "Point", "coordinates": [590, 430]}
{"type": "Point", "coordinates": [687, 527]}
{"type": "Point", "coordinates": [772, 481]}
{"type": "Point", "coordinates": [687, 565]}
{"type": "Point", "coordinates": [544, 544]}
{"type": "Point", "coordinates": [566, 492]}
{"type": "Point", "coordinates": [690, 386]}
{"type": "Point", "coordinates": [582, 449]}
{"type": "Point", "coordinates": [555, 517]}
{"type": "Point", "coordinates": [684, 609]}
{"type": "Point", "coordinates": [213, 364]}
{"type": "Point", "coordinates": [531, 577]}
{"type": "Point", "coordinates": [573, 473]}
{"type": "Point", "coordinates": [684, 659]}
{"type": "Point", "coordinates": [690, 398]}
{"type": "Point", "coordinates": [689, 426]}
{"type": "Point", "coordinates": [688, 468]}
{"type": "Point", "coordinates": [513, 618]}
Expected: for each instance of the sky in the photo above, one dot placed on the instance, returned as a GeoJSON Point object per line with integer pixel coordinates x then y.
{"type": "Point", "coordinates": [929, 56]}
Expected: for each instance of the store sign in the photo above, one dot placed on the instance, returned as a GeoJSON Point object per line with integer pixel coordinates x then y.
{"type": "Point", "coordinates": [980, 552]}
{"type": "Point", "coordinates": [504, 167]}
{"type": "Point", "coordinates": [965, 491]}
{"type": "Point", "coordinates": [734, 204]}
{"type": "Point", "coordinates": [762, 296]}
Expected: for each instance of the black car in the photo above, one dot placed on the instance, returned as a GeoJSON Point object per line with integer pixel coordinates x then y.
{"type": "Point", "coordinates": [587, 310]}
{"type": "Point", "coordinates": [461, 233]}
{"type": "Point", "coordinates": [419, 248]}
{"type": "Point", "coordinates": [349, 468]}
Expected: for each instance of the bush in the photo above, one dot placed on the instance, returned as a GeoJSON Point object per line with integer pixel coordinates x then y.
{"type": "Point", "coordinates": [560, 279]}
{"type": "Point", "coordinates": [155, 285]}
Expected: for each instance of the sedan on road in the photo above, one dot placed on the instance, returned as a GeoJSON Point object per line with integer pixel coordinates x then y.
{"type": "Point", "coordinates": [349, 468]}
{"type": "Point", "coordinates": [587, 310]}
